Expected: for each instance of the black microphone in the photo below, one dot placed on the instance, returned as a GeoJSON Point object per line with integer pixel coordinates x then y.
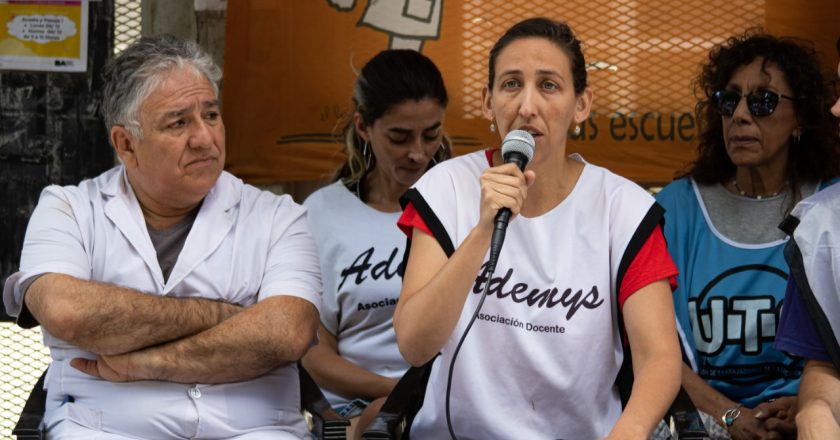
{"type": "Point", "coordinates": [517, 147]}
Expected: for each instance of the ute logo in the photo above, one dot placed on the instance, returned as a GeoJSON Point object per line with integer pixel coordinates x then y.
{"type": "Point", "coordinates": [720, 318]}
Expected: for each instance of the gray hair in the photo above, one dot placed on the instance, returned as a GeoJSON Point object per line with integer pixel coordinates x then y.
{"type": "Point", "coordinates": [136, 72]}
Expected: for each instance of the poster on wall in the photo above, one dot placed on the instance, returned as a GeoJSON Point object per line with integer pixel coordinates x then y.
{"type": "Point", "coordinates": [43, 35]}
{"type": "Point", "coordinates": [290, 68]}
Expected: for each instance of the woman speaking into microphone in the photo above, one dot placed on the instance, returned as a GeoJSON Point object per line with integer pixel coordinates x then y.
{"type": "Point", "coordinates": [583, 268]}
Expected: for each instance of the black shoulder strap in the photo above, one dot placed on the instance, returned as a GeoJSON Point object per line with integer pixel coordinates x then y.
{"type": "Point", "coordinates": [682, 411]}
{"type": "Point", "coordinates": [28, 426]}
{"type": "Point", "coordinates": [793, 255]}
{"type": "Point", "coordinates": [431, 220]}
{"type": "Point", "coordinates": [654, 217]}
{"type": "Point", "coordinates": [401, 406]}
{"type": "Point", "coordinates": [425, 211]}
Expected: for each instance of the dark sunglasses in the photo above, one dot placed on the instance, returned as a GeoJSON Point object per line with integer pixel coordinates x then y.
{"type": "Point", "coordinates": [761, 102]}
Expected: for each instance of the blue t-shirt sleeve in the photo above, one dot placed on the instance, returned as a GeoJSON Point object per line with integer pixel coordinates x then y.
{"type": "Point", "coordinates": [796, 333]}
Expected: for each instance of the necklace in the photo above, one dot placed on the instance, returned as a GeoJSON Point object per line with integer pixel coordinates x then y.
{"type": "Point", "coordinates": [757, 196]}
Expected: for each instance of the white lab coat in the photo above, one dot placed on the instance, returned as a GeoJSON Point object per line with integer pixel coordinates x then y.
{"type": "Point", "coordinates": [244, 246]}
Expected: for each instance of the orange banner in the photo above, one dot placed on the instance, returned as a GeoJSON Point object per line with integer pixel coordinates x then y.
{"type": "Point", "coordinates": [290, 67]}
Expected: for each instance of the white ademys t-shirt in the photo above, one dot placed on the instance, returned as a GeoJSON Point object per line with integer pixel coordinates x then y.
{"type": "Point", "coordinates": [541, 360]}
{"type": "Point", "coordinates": [361, 253]}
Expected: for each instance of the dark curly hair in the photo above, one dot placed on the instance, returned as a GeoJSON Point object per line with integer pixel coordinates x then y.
{"type": "Point", "coordinates": [816, 156]}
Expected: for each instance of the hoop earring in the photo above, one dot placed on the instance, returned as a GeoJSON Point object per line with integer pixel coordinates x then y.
{"type": "Point", "coordinates": [366, 153]}
{"type": "Point", "coordinates": [577, 130]}
{"type": "Point", "coordinates": [797, 136]}
{"type": "Point", "coordinates": [492, 127]}
{"type": "Point", "coordinates": [434, 159]}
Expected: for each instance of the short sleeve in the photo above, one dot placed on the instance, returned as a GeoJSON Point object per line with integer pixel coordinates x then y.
{"type": "Point", "coordinates": [797, 334]}
{"type": "Point", "coordinates": [54, 243]}
{"type": "Point", "coordinates": [292, 266]}
{"type": "Point", "coordinates": [411, 219]}
{"type": "Point", "coordinates": [814, 259]}
{"type": "Point", "coordinates": [320, 219]}
{"type": "Point", "coordinates": [652, 263]}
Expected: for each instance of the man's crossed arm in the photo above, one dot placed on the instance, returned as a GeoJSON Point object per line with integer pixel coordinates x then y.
{"type": "Point", "coordinates": [138, 336]}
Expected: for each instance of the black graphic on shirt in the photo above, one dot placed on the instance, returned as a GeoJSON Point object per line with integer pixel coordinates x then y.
{"type": "Point", "coordinates": [362, 267]}
{"type": "Point", "coordinates": [570, 299]}
{"type": "Point", "coordinates": [387, 302]}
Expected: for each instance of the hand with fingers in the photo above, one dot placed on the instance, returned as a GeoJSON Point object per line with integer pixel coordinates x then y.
{"type": "Point", "coordinates": [115, 368]}
{"type": "Point", "coordinates": [779, 415]}
{"type": "Point", "coordinates": [503, 186]}
{"type": "Point", "coordinates": [747, 427]}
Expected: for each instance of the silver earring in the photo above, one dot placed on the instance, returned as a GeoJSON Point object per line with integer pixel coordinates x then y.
{"type": "Point", "coordinates": [577, 130]}
{"type": "Point", "coordinates": [366, 154]}
{"type": "Point", "coordinates": [434, 159]}
{"type": "Point", "coordinates": [492, 127]}
{"type": "Point", "coordinates": [796, 137]}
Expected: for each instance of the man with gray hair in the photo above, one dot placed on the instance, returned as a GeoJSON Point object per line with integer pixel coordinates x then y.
{"type": "Point", "coordinates": [174, 298]}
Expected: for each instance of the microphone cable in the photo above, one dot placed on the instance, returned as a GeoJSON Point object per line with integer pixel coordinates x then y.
{"type": "Point", "coordinates": [517, 147]}
{"type": "Point", "coordinates": [457, 349]}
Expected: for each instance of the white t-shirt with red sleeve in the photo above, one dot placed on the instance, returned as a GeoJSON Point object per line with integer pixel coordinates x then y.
{"type": "Point", "coordinates": [541, 359]}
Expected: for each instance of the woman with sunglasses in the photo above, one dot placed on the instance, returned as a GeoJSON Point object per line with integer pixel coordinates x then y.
{"type": "Point", "coordinates": [765, 142]}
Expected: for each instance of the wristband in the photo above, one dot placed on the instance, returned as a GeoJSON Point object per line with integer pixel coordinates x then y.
{"type": "Point", "coordinates": [731, 415]}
